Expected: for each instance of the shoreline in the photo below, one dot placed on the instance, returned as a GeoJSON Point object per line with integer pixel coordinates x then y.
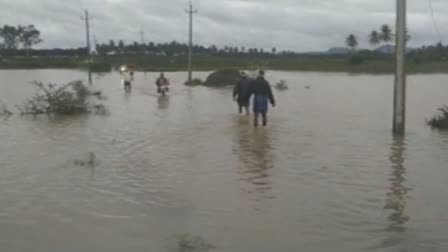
{"type": "Point", "coordinates": [210, 63]}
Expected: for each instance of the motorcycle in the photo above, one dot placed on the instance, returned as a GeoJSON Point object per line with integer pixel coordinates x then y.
{"type": "Point", "coordinates": [164, 90]}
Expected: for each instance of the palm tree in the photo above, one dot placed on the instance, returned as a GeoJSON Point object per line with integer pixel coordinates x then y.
{"type": "Point", "coordinates": [374, 38]}
{"type": "Point", "coordinates": [386, 34]}
{"type": "Point", "coordinates": [352, 42]}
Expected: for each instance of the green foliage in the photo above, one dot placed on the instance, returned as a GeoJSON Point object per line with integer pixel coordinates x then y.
{"type": "Point", "coordinates": [440, 121]}
{"type": "Point", "coordinates": [357, 60]}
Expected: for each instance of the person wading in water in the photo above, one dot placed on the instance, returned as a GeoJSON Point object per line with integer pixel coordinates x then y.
{"type": "Point", "coordinates": [241, 93]}
{"type": "Point", "coordinates": [262, 92]}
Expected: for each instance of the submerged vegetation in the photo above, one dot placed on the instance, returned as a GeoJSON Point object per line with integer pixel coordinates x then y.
{"type": "Point", "coordinates": [188, 243]}
{"type": "Point", "coordinates": [4, 111]}
{"type": "Point", "coordinates": [281, 85]}
{"type": "Point", "coordinates": [440, 121]}
{"type": "Point", "coordinates": [194, 82]}
{"type": "Point", "coordinates": [68, 99]}
{"type": "Point", "coordinates": [90, 161]}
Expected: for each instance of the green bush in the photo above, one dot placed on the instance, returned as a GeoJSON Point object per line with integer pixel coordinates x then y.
{"type": "Point", "coordinates": [357, 60]}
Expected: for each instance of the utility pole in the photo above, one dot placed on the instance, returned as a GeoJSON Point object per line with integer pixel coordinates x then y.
{"type": "Point", "coordinates": [87, 19]}
{"type": "Point", "coordinates": [399, 120]}
{"type": "Point", "coordinates": [142, 37]}
{"type": "Point", "coordinates": [190, 12]}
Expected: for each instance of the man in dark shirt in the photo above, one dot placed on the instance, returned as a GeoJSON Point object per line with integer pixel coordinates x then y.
{"type": "Point", "coordinates": [241, 93]}
{"type": "Point", "coordinates": [262, 92]}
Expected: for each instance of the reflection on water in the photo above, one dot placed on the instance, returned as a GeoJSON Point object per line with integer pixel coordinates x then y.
{"type": "Point", "coordinates": [255, 154]}
{"type": "Point", "coordinates": [89, 73]}
{"type": "Point", "coordinates": [398, 193]}
{"type": "Point", "coordinates": [163, 102]}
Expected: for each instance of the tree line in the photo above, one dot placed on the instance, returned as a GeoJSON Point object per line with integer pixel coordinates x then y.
{"type": "Point", "coordinates": [174, 48]}
{"type": "Point", "coordinates": [20, 40]}
{"type": "Point", "coordinates": [384, 36]}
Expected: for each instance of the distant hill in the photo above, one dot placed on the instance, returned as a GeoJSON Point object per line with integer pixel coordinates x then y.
{"type": "Point", "coordinates": [390, 49]}
{"type": "Point", "coordinates": [338, 51]}
{"type": "Point", "coordinates": [386, 49]}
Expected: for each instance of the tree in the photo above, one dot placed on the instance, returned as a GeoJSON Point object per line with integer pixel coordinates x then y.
{"type": "Point", "coordinates": [29, 36]}
{"type": "Point", "coordinates": [121, 46]}
{"type": "Point", "coordinates": [352, 41]}
{"type": "Point", "coordinates": [112, 44]}
{"type": "Point", "coordinates": [374, 38]}
{"type": "Point", "coordinates": [11, 36]}
{"type": "Point", "coordinates": [274, 50]}
{"type": "Point", "coordinates": [386, 34]}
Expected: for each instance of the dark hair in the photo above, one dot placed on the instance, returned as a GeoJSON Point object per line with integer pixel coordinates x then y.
{"type": "Point", "coordinates": [261, 72]}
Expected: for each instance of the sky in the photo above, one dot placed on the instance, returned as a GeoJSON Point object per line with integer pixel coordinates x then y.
{"type": "Point", "coordinates": [299, 25]}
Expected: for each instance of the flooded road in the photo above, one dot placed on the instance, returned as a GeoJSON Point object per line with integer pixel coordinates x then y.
{"type": "Point", "coordinates": [325, 175]}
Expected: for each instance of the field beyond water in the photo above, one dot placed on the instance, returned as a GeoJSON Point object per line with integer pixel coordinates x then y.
{"type": "Point", "coordinates": [209, 63]}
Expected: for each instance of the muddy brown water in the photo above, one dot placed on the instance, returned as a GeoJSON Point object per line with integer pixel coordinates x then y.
{"type": "Point", "coordinates": [325, 175]}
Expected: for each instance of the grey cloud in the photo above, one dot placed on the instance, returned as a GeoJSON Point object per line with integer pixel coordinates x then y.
{"type": "Point", "coordinates": [301, 25]}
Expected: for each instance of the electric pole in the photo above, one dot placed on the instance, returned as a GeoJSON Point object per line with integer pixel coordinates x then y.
{"type": "Point", "coordinates": [142, 37]}
{"type": "Point", "coordinates": [399, 121]}
{"type": "Point", "coordinates": [87, 19]}
{"type": "Point", "coordinates": [190, 12]}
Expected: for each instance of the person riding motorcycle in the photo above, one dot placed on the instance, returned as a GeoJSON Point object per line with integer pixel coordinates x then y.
{"type": "Point", "coordinates": [162, 82]}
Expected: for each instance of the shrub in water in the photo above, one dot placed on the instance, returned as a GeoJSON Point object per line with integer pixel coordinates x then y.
{"type": "Point", "coordinates": [68, 99]}
{"type": "Point", "coordinates": [440, 121]}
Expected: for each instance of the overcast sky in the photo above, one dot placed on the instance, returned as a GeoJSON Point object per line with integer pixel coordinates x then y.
{"type": "Point", "coordinates": [300, 25]}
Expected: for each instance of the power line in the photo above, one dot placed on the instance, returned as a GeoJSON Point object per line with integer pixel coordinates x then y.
{"type": "Point", "coordinates": [81, 6]}
{"type": "Point", "coordinates": [434, 22]}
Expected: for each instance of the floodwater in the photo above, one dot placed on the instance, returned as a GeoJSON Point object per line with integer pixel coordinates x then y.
{"type": "Point", "coordinates": [325, 175]}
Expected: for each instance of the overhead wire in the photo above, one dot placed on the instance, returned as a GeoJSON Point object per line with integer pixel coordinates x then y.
{"type": "Point", "coordinates": [434, 22]}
